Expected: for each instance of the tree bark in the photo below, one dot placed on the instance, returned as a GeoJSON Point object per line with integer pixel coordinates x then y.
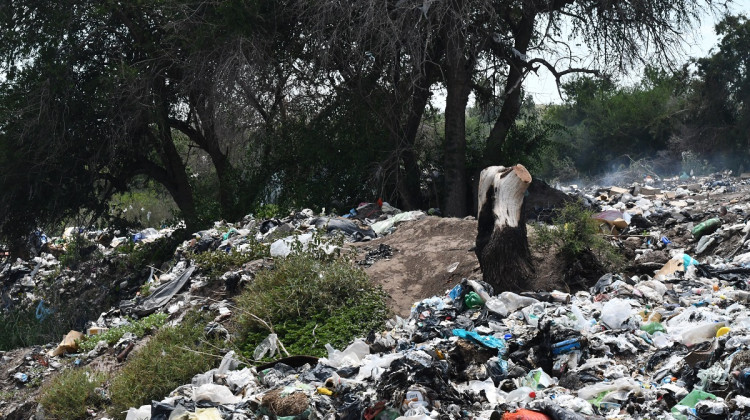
{"type": "Point", "coordinates": [502, 245]}
{"type": "Point", "coordinates": [458, 85]}
{"type": "Point", "coordinates": [512, 103]}
{"type": "Point", "coordinates": [409, 185]}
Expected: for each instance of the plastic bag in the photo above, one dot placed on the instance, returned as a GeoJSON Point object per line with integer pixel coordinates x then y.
{"type": "Point", "coordinates": [615, 313]}
{"type": "Point", "coordinates": [268, 346]}
{"type": "Point", "coordinates": [143, 412]}
{"type": "Point", "coordinates": [215, 393]}
{"type": "Point", "coordinates": [351, 356]}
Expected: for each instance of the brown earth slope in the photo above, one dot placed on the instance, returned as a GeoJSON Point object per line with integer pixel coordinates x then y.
{"type": "Point", "coordinates": [423, 252]}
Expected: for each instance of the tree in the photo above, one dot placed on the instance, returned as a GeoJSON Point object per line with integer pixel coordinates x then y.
{"type": "Point", "coordinates": [469, 42]}
{"type": "Point", "coordinates": [98, 93]}
{"type": "Point", "coordinates": [606, 124]}
{"type": "Point", "coordinates": [720, 121]}
{"type": "Point", "coordinates": [501, 245]}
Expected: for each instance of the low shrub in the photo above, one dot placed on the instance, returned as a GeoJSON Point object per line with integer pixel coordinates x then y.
{"type": "Point", "coordinates": [216, 263]}
{"type": "Point", "coordinates": [136, 258]}
{"type": "Point", "coordinates": [170, 359]}
{"type": "Point", "coordinates": [78, 250]}
{"type": "Point", "coordinates": [46, 322]}
{"type": "Point", "coordinates": [309, 302]}
{"type": "Point", "coordinates": [574, 232]}
{"type": "Point", "coordinates": [140, 328]}
{"type": "Point", "coordinates": [69, 394]}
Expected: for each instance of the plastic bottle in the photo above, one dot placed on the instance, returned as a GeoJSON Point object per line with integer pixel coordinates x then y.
{"type": "Point", "coordinates": [707, 227]}
{"type": "Point", "coordinates": [567, 346]}
{"type": "Point", "coordinates": [521, 395]}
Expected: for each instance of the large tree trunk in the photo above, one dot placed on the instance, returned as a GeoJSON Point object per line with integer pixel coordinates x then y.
{"type": "Point", "coordinates": [409, 187]}
{"type": "Point", "coordinates": [513, 98]}
{"type": "Point", "coordinates": [502, 246]}
{"type": "Point", "coordinates": [458, 86]}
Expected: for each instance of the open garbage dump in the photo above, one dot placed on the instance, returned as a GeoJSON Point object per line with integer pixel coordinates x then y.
{"type": "Point", "coordinates": [666, 337]}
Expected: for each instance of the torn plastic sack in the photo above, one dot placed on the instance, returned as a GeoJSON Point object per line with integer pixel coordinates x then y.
{"type": "Point", "coordinates": [160, 296]}
{"type": "Point", "coordinates": [484, 340]}
{"type": "Point", "coordinates": [143, 412]}
{"type": "Point", "coordinates": [346, 226]}
{"type": "Point", "coordinates": [215, 393]}
{"type": "Point", "coordinates": [351, 356]}
{"type": "Point", "coordinates": [615, 313]}
{"type": "Point", "coordinates": [283, 247]}
{"type": "Point", "coordinates": [269, 346]}
{"type": "Point", "coordinates": [384, 226]}
{"type": "Point", "coordinates": [687, 405]}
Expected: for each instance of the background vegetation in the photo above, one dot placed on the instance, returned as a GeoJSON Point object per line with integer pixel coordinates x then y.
{"type": "Point", "coordinates": [190, 110]}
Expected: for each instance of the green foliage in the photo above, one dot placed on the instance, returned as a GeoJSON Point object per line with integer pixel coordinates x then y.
{"type": "Point", "coordinates": [137, 257]}
{"type": "Point", "coordinates": [139, 327]}
{"type": "Point", "coordinates": [308, 303]}
{"type": "Point", "coordinates": [23, 329]}
{"type": "Point", "coordinates": [720, 115]}
{"type": "Point", "coordinates": [170, 359]}
{"type": "Point", "coordinates": [267, 211]}
{"type": "Point", "coordinates": [146, 205]}
{"type": "Point", "coordinates": [575, 232]}
{"type": "Point", "coordinates": [216, 263]}
{"type": "Point", "coordinates": [145, 290]}
{"type": "Point", "coordinates": [68, 394]}
{"type": "Point", "coordinates": [605, 124]}
{"type": "Point", "coordinates": [79, 250]}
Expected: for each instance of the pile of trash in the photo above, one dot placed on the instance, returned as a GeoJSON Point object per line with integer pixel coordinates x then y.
{"type": "Point", "coordinates": [22, 281]}
{"type": "Point", "coordinates": [631, 347]}
{"type": "Point", "coordinates": [666, 338]}
{"type": "Point", "coordinates": [669, 344]}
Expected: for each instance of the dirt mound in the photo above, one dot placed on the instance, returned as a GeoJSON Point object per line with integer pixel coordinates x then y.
{"type": "Point", "coordinates": [424, 252]}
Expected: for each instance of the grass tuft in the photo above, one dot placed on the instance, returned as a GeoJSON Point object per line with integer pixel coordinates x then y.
{"type": "Point", "coordinates": [170, 359]}
{"type": "Point", "coordinates": [69, 394]}
{"type": "Point", "coordinates": [309, 302]}
{"type": "Point", "coordinates": [140, 328]}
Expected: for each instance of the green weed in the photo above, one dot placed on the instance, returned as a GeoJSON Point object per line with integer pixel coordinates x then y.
{"type": "Point", "coordinates": [79, 250]}
{"type": "Point", "coordinates": [140, 328]}
{"type": "Point", "coordinates": [308, 303]}
{"type": "Point", "coordinates": [69, 394]}
{"type": "Point", "coordinates": [170, 359]}
{"type": "Point", "coordinates": [573, 233]}
{"type": "Point", "coordinates": [216, 263]}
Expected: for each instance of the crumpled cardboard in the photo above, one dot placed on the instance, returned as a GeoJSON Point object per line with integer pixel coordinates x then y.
{"type": "Point", "coordinates": [68, 343]}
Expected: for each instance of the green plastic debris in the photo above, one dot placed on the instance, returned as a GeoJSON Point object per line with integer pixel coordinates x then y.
{"type": "Point", "coordinates": [707, 227]}
{"type": "Point", "coordinates": [473, 300]}
{"type": "Point", "coordinates": [694, 397]}
{"type": "Point", "coordinates": [653, 327]}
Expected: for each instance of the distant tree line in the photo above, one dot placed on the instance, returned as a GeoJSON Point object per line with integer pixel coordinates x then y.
{"type": "Point", "coordinates": [227, 104]}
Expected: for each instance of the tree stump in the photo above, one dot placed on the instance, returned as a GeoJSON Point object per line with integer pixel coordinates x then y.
{"type": "Point", "coordinates": [502, 246]}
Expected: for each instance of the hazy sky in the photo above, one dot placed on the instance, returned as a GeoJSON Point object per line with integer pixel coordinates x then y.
{"type": "Point", "coordinates": [543, 87]}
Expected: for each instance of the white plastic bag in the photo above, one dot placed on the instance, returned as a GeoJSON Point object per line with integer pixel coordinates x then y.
{"type": "Point", "coordinates": [268, 346]}
{"type": "Point", "coordinates": [615, 313]}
